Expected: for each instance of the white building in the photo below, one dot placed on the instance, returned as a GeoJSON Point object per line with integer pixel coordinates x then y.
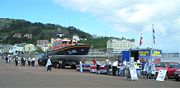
{"type": "Point", "coordinates": [29, 48]}
{"type": "Point", "coordinates": [16, 49]}
{"type": "Point", "coordinates": [117, 45]}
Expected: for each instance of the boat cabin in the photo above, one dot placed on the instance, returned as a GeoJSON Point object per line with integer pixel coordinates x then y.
{"type": "Point", "coordinates": [60, 43]}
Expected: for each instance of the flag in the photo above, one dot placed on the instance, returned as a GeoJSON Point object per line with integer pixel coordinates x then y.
{"type": "Point", "coordinates": [141, 41]}
{"type": "Point", "coordinates": [153, 33]}
{"type": "Point", "coordinates": [153, 39]}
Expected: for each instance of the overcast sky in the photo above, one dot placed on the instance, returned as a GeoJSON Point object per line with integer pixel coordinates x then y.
{"type": "Point", "coordinates": [117, 18]}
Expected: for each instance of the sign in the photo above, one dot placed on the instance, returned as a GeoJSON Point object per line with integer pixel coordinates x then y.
{"type": "Point", "coordinates": [125, 56]}
{"type": "Point", "coordinates": [133, 74]}
{"type": "Point", "coordinates": [161, 75]}
{"type": "Point", "coordinates": [156, 56]}
{"type": "Point", "coordinates": [143, 55]}
{"type": "Point", "coordinates": [156, 53]}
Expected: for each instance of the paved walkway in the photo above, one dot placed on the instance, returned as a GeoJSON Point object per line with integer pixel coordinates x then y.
{"type": "Point", "coordinates": [37, 77]}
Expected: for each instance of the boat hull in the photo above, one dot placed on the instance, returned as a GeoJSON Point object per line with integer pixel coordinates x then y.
{"type": "Point", "coordinates": [67, 56]}
{"type": "Point", "coordinates": [71, 50]}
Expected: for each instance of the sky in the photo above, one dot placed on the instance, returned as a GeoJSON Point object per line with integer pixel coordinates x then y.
{"type": "Point", "coordinates": [115, 18]}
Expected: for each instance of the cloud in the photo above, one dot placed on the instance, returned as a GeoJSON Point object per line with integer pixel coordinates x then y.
{"type": "Point", "coordinates": [133, 15]}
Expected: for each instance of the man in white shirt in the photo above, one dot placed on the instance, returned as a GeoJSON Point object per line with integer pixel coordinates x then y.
{"type": "Point", "coordinates": [49, 64]}
{"type": "Point", "coordinates": [33, 61]}
{"type": "Point", "coordinates": [108, 66]}
{"type": "Point", "coordinates": [114, 67]}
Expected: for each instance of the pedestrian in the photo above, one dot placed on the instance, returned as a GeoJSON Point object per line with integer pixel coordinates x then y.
{"type": "Point", "coordinates": [108, 66]}
{"type": "Point", "coordinates": [121, 69]}
{"type": "Point", "coordinates": [94, 62]}
{"type": "Point", "coordinates": [33, 61]}
{"type": "Point", "coordinates": [49, 65]}
{"type": "Point", "coordinates": [114, 67]}
{"type": "Point", "coordinates": [29, 61]}
{"type": "Point", "coordinates": [139, 68]}
{"type": "Point", "coordinates": [146, 69]}
{"type": "Point", "coordinates": [16, 61]}
{"type": "Point", "coordinates": [98, 67]}
{"type": "Point", "coordinates": [152, 70]}
{"type": "Point", "coordinates": [9, 59]}
{"type": "Point", "coordinates": [81, 66]}
{"type": "Point", "coordinates": [22, 61]}
{"type": "Point", "coordinates": [6, 58]}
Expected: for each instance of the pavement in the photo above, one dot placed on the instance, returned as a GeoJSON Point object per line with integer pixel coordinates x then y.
{"type": "Point", "coordinates": [12, 76]}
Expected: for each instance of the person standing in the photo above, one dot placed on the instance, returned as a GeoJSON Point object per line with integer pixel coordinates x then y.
{"type": "Point", "coordinates": [98, 67]}
{"type": "Point", "coordinates": [114, 67]}
{"type": "Point", "coordinates": [33, 61]}
{"type": "Point", "coordinates": [29, 61]}
{"type": "Point", "coordinates": [22, 61]}
{"type": "Point", "coordinates": [9, 59]}
{"type": "Point", "coordinates": [108, 66]}
{"type": "Point", "coordinates": [48, 64]}
{"type": "Point", "coordinates": [81, 66]}
{"type": "Point", "coordinates": [152, 72]}
{"type": "Point", "coordinates": [6, 58]}
{"type": "Point", "coordinates": [16, 61]}
{"type": "Point", "coordinates": [146, 68]}
{"type": "Point", "coordinates": [94, 62]}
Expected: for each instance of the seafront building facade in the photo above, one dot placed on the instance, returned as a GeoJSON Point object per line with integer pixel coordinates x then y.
{"type": "Point", "coordinates": [29, 48]}
{"type": "Point", "coordinates": [43, 44]}
{"type": "Point", "coordinates": [118, 45]}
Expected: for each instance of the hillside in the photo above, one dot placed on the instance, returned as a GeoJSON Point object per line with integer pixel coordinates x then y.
{"type": "Point", "coordinates": [13, 31]}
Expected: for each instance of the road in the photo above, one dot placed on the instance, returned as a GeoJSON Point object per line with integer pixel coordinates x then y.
{"type": "Point", "coordinates": [36, 77]}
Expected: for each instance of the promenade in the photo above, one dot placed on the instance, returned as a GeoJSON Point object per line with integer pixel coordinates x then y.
{"type": "Point", "coordinates": [36, 77]}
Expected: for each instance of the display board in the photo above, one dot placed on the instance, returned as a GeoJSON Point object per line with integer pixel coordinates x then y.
{"type": "Point", "coordinates": [144, 54]}
{"type": "Point", "coordinates": [133, 74]}
{"type": "Point", "coordinates": [156, 56]}
{"type": "Point", "coordinates": [161, 75]}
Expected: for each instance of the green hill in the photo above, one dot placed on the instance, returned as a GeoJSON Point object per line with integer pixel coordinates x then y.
{"type": "Point", "coordinates": [13, 31]}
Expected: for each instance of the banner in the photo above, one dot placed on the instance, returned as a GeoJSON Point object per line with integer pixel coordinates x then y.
{"type": "Point", "coordinates": [133, 74]}
{"type": "Point", "coordinates": [161, 75]}
{"type": "Point", "coordinates": [143, 55]}
{"type": "Point", "coordinates": [156, 53]}
{"type": "Point", "coordinates": [156, 56]}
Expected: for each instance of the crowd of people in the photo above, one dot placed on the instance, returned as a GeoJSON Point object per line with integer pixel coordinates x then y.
{"type": "Point", "coordinates": [115, 68]}
{"type": "Point", "coordinates": [22, 61]}
{"type": "Point", "coordinates": [19, 60]}
{"type": "Point", "coordinates": [144, 69]}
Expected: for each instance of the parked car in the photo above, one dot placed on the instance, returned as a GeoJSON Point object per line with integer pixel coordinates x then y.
{"type": "Point", "coordinates": [177, 73]}
{"type": "Point", "coordinates": [162, 65]}
{"type": "Point", "coordinates": [169, 66]}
